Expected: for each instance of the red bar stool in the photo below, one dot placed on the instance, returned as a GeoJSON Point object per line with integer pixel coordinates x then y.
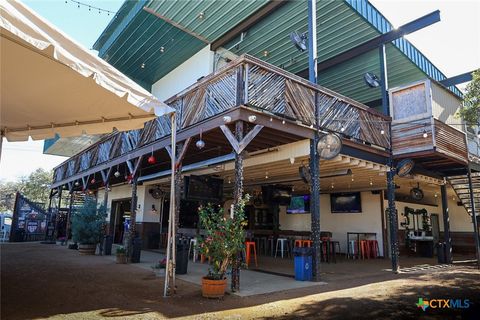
{"type": "Point", "coordinates": [298, 243]}
{"type": "Point", "coordinates": [307, 243]}
{"type": "Point", "coordinates": [249, 245]}
{"type": "Point", "coordinates": [364, 249]}
{"type": "Point", "coordinates": [373, 248]}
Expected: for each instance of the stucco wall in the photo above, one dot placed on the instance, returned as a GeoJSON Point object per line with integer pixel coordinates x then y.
{"type": "Point", "coordinates": [186, 74]}
{"type": "Point", "coordinates": [369, 220]}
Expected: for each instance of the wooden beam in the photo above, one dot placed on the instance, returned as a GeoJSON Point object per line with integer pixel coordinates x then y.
{"type": "Point", "coordinates": [251, 20]}
{"type": "Point", "coordinates": [249, 137]}
{"type": "Point", "coordinates": [231, 138]}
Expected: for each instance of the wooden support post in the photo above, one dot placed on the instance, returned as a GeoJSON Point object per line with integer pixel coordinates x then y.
{"type": "Point", "coordinates": [446, 222]}
{"type": "Point", "coordinates": [237, 198]}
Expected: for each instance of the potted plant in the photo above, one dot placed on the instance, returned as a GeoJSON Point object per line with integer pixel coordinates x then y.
{"type": "Point", "coordinates": [224, 239]}
{"type": "Point", "coordinates": [121, 254]}
{"type": "Point", "coordinates": [87, 226]}
{"type": "Point", "coordinates": [159, 267]}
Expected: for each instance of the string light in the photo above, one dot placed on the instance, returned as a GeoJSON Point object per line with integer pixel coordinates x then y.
{"type": "Point", "coordinates": [266, 174]}
{"type": "Point", "coordinates": [90, 7]}
{"type": "Point", "coordinates": [425, 134]}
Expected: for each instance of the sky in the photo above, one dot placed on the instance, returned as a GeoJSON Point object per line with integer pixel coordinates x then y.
{"type": "Point", "coordinates": [453, 45]}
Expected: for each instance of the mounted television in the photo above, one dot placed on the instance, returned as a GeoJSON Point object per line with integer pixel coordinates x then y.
{"type": "Point", "coordinates": [346, 202]}
{"type": "Point", "coordinates": [203, 188]}
{"type": "Point", "coordinates": [299, 204]}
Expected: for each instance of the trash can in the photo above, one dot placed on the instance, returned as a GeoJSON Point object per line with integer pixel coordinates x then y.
{"type": "Point", "coordinates": [136, 250]}
{"type": "Point", "coordinates": [441, 252]}
{"type": "Point", "coordinates": [107, 245]}
{"type": "Point", "coordinates": [182, 256]}
{"type": "Point", "coordinates": [303, 263]}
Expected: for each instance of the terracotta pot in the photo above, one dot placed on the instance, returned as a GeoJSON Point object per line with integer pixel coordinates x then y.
{"type": "Point", "coordinates": [213, 288]}
{"type": "Point", "coordinates": [87, 249]}
{"type": "Point", "coordinates": [121, 258]}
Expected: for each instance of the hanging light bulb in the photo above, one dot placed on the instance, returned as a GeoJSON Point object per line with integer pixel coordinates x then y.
{"type": "Point", "coordinates": [371, 182]}
{"type": "Point", "coordinates": [229, 180]}
{"type": "Point", "coordinates": [382, 131]}
{"type": "Point", "coordinates": [271, 119]}
{"type": "Point", "coordinates": [266, 174]}
{"type": "Point", "coordinates": [117, 173]}
{"type": "Point", "coordinates": [292, 160]}
{"type": "Point", "coordinates": [425, 134]}
{"type": "Point", "coordinates": [76, 184]}
{"type": "Point", "coordinates": [342, 129]}
{"type": "Point", "coordinates": [353, 179]}
{"type": "Point", "coordinates": [332, 186]}
{"type": "Point", "coordinates": [200, 143]}
{"type": "Point", "coordinates": [436, 195]}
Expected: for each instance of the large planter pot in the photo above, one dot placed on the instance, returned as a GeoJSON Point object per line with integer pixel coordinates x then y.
{"type": "Point", "coordinates": [121, 258]}
{"type": "Point", "coordinates": [87, 249]}
{"type": "Point", "coordinates": [213, 288]}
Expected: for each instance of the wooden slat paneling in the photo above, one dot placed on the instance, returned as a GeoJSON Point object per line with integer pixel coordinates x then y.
{"type": "Point", "coordinates": [450, 141]}
{"type": "Point", "coordinates": [408, 137]}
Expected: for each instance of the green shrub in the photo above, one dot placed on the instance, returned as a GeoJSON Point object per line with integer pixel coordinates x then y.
{"type": "Point", "coordinates": [121, 250]}
{"type": "Point", "coordinates": [88, 223]}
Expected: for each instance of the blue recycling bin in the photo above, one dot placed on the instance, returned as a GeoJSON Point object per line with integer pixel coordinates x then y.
{"type": "Point", "coordinates": [303, 264]}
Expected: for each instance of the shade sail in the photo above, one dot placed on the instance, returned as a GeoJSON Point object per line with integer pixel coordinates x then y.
{"type": "Point", "coordinates": [50, 84]}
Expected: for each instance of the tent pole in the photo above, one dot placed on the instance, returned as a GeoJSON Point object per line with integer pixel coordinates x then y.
{"type": "Point", "coordinates": [170, 267]}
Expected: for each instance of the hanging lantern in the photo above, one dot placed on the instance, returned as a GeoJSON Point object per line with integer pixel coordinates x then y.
{"type": "Point", "coordinates": [117, 174]}
{"type": "Point", "coordinates": [200, 143]}
{"type": "Point", "coordinates": [76, 184]}
{"type": "Point", "coordinates": [151, 160]}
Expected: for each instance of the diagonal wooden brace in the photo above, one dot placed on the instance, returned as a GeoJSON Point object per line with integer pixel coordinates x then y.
{"type": "Point", "coordinates": [239, 146]}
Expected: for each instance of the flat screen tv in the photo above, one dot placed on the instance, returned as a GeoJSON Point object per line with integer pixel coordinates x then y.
{"type": "Point", "coordinates": [299, 204]}
{"type": "Point", "coordinates": [203, 188]}
{"type": "Point", "coordinates": [346, 202]}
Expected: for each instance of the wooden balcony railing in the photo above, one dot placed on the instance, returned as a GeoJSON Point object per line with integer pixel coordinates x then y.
{"type": "Point", "coordinates": [249, 82]}
{"type": "Point", "coordinates": [424, 135]}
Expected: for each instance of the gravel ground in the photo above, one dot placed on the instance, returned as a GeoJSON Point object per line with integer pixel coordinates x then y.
{"type": "Point", "coordinates": [48, 281]}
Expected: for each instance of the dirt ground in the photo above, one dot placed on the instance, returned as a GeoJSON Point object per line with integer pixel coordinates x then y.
{"type": "Point", "coordinates": [49, 281]}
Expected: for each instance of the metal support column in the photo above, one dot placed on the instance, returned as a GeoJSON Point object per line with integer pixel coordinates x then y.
{"type": "Point", "coordinates": [474, 217]}
{"type": "Point", "coordinates": [69, 214]}
{"type": "Point", "coordinates": [392, 212]}
{"type": "Point", "coordinates": [446, 223]}
{"type": "Point", "coordinates": [133, 219]}
{"type": "Point", "coordinates": [314, 156]}
{"type": "Point", "coordinates": [237, 198]}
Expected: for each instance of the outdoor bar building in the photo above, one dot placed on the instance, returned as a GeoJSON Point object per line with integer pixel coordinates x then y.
{"type": "Point", "coordinates": [246, 117]}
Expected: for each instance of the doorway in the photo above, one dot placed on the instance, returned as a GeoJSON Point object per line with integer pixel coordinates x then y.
{"type": "Point", "coordinates": [119, 218]}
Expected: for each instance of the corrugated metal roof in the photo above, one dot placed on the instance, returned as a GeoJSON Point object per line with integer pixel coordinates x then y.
{"type": "Point", "coordinates": [374, 17]}
{"type": "Point", "coordinates": [135, 38]}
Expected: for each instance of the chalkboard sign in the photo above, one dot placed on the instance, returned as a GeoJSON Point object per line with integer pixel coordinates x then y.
{"type": "Point", "coordinates": [203, 188]}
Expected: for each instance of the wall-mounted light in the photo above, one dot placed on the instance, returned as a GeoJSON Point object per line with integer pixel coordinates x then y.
{"type": "Point", "coordinates": [227, 119]}
{"type": "Point", "coordinates": [154, 210]}
{"type": "Point", "coordinates": [252, 118]}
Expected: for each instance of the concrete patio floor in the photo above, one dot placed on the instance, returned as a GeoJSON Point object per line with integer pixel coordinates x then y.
{"type": "Point", "coordinates": [251, 282]}
{"type": "Point", "coordinates": [277, 274]}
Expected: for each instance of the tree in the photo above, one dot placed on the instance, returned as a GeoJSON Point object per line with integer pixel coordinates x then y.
{"type": "Point", "coordinates": [35, 187]}
{"type": "Point", "coordinates": [471, 110]}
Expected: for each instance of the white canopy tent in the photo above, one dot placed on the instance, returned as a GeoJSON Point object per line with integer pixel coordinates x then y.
{"type": "Point", "coordinates": [52, 85]}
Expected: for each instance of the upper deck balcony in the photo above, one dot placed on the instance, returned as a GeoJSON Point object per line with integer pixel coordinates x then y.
{"type": "Point", "coordinates": [244, 87]}
{"type": "Point", "coordinates": [419, 131]}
